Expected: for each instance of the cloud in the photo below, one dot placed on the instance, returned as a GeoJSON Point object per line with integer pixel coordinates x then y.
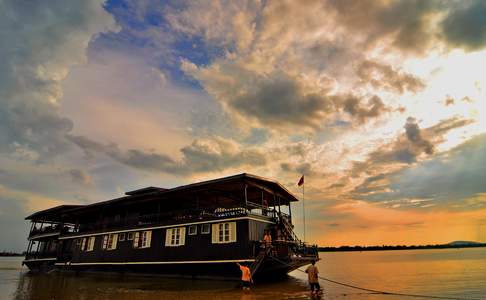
{"type": "Point", "coordinates": [458, 172]}
{"type": "Point", "coordinates": [398, 24]}
{"type": "Point", "coordinates": [203, 155]}
{"type": "Point", "coordinates": [229, 23]}
{"type": "Point", "coordinates": [305, 168]}
{"type": "Point", "coordinates": [414, 136]}
{"type": "Point", "coordinates": [44, 41]}
{"type": "Point", "coordinates": [353, 105]}
{"type": "Point", "coordinates": [408, 147]}
{"type": "Point", "coordinates": [80, 177]}
{"type": "Point", "coordinates": [280, 100]}
{"type": "Point", "coordinates": [382, 76]}
{"type": "Point", "coordinates": [465, 27]}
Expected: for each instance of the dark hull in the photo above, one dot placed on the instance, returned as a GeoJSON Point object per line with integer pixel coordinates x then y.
{"type": "Point", "coordinates": [270, 269]}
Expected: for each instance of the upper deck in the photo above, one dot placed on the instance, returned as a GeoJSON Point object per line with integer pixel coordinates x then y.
{"type": "Point", "coordinates": [242, 195]}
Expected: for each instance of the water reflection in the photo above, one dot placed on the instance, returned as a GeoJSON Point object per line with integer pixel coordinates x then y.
{"type": "Point", "coordinates": [451, 272]}
{"type": "Point", "coordinates": [110, 286]}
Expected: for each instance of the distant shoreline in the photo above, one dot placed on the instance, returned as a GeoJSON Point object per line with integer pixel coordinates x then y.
{"type": "Point", "coordinates": [398, 247]}
{"type": "Point", "coordinates": [10, 254]}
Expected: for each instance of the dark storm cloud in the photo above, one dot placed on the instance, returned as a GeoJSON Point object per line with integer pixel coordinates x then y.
{"type": "Point", "coordinates": [409, 23]}
{"type": "Point", "coordinates": [201, 156]}
{"type": "Point", "coordinates": [465, 27]}
{"type": "Point", "coordinates": [414, 136]}
{"type": "Point", "coordinates": [362, 113]}
{"type": "Point", "coordinates": [281, 99]}
{"type": "Point", "coordinates": [405, 22]}
{"type": "Point", "coordinates": [382, 76]}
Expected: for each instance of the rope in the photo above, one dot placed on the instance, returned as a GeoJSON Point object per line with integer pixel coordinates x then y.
{"type": "Point", "coordinates": [378, 291]}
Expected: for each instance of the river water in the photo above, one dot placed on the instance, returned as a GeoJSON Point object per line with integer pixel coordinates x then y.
{"type": "Point", "coordinates": [440, 272]}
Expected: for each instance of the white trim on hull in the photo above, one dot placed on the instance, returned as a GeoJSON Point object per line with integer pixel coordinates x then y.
{"type": "Point", "coordinates": [156, 262]}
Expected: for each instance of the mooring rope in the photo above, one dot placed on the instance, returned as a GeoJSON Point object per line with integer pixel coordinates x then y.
{"type": "Point", "coordinates": [378, 291]}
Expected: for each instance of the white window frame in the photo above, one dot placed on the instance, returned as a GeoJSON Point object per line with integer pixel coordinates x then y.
{"type": "Point", "coordinates": [175, 237]}
{"type": "Point", "coordinates": [146, 238]}
{"type": "Point", "coordinates": [194, 227]}
{"type": "Point", "coordinates": [129, 236]}
{"type": "Point", "coordinates": [136, 240]}
{"type": "Point", "coordinates": [223, 233]}
{"type": "Point", "coordinates": [83, 244]}
{"type": "Point", "coordinates": [91, 242]}
{"type": "Point", "coordinates": [208, 231]}
{"type": "Point", "coordinates": [111, 241]}
{"type": "Point", "coordinates": [121, 237]}
{"type": "Point", "coordinates": [104, 242]}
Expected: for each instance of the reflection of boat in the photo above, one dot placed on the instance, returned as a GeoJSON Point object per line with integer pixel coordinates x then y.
{"type": "Point", "coordinates": [201, 229]}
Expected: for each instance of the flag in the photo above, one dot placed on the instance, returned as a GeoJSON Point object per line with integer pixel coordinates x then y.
{"type": "Point", "coordinates": [301, 181]}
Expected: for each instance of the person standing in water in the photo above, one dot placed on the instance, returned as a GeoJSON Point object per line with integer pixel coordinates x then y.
{"type": "Point", "coordinates": [246, 279]}
{"type": "Point", "coordinates": [313, 275]}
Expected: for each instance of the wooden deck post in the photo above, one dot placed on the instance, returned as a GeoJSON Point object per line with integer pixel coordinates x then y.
{"type": "Point", "coordinates": [290, 213]}
{"type": "Point", "coordinates": [246, 197]}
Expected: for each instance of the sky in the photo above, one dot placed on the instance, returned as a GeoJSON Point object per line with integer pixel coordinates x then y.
{"type": "Point", "coordinates": [380, 104]}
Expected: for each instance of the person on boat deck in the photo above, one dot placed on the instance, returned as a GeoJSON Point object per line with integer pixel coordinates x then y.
{"type": "Point", "coordinates": [246, 279]}
{"type": "Point", "coordinates": [267, 239]}
{"type": "Point", "coordinates": [265, 207]}
{"type": "Point", "coordinates": [313, 275]}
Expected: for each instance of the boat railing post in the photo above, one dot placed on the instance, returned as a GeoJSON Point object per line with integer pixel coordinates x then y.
{"type": "Point", "coordinates": [290, 213]}
{"type": "Point", "coordinates": [246, 198]}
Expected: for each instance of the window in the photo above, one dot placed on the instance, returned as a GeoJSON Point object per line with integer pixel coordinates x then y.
{"type": "Point", "coordinates": [224, 233]}
{"type": "Point", "coordinates": [146, 239]}
{"type": "Point", "coordinates": [121, 237]}
{"type": "Point", "coordinates": [83, 244]}
{"type": "Point", "coordinates": [136, 240]}
{"type": "Point", "coordinates": [105, 242]}
{"type": "Point", "coordinates": [175, 236]}
{"type": "Point", "coordinates": [112, 239]}
{"type": "Point", "coordinates": [205, 228]}
{"type": "Point", "coordinates": [91, 242]}
{"type": "Point", "coordinates": [109, 241]}
{"type": "Point", "coordinates": [130, 236]}
{"type": "Point", "coordinates": [78, 242]}
{"type": "Point", "coordinates": [192, 230]}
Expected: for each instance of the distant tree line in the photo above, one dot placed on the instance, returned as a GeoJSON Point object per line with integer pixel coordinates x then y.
{"type": "Point", "coordinates": [399, 247]}
{"type": "Point", "coordinates": [10, 253]}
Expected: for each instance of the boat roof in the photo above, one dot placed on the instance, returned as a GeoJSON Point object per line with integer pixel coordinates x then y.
{"type": "Point", "coordinates": [229, 182]}
{"type": "Point", "coordinates": [52, 213]}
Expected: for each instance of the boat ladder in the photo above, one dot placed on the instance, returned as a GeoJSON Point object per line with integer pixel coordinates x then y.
{"type": "Point", "coordinates": [259, 259]}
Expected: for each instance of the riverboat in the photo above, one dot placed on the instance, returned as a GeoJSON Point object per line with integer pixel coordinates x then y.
{"type": "Point", "coordinates": [200, 230]}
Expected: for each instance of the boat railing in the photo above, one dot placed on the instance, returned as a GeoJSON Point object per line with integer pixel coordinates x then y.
{"type": "Point", "coordinates": [51, 229]}
{"type": "Point", "coordinates": [173, 217]}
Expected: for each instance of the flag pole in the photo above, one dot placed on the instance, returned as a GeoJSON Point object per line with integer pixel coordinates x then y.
{"type": "Point", "coordinates": [303, 205]}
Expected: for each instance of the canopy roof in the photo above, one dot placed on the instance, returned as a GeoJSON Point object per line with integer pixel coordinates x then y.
{"type": "Point", "coordinates": [52, 214]}
{"type": "Point", "coordinates": [232, 186]}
